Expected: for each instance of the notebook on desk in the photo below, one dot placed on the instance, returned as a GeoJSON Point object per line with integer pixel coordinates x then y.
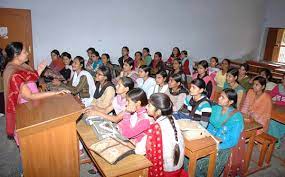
{"type": "Point", "coordinates": [104, 128]}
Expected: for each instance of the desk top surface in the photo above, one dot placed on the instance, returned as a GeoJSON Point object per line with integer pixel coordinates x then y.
{"type": "Point", "coordinates": [278, 113]}
{"type": "Point", "coordinates": [199, 144]}
{"type": "Point", "coordinates": [248, 126]}
{"type": "Point", "coordinates": [127, 165]}
{"type": "Point", "coordinates": [46, 110]}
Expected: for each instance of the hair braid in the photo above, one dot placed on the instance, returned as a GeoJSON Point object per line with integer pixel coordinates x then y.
{"type": "Point", "coordinates": [176, 147]}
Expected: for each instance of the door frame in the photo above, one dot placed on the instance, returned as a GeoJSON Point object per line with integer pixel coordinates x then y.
{"type": "Point", "coordinates": [28, 43]}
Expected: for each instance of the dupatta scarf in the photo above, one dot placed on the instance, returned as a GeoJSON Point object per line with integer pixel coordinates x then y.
{"type": "Point", "coordinates": [14, 77]}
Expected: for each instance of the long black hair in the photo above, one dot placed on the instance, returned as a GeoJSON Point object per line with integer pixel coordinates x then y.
{"type": "Point", "coordinates": [146, 69]}
{"type": "Point", "coordinates": [55, 51]}
{"type": "Point", "coordinates": [234, 72]}
{"type": "Point", "coordinates": [128, 82]}
{"type": "Point", "coordinates": [232, 96]}
{"type": "Point", "coordinates": [81, 61]}
{"type": "Point", "coordinates": [12, 50]}
{"type": "Point", "coordinates": [106, 72]}
{"type": "Point", "coordinates": [178, 78]}
{"type": "Point", "coordinates": [162, 102]}
{"type": "Point", "coordinates": [137, 94]}
{"type": "Point", "coordinates": [261, 80]}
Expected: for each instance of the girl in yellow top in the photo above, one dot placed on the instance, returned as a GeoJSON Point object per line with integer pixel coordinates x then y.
{"type": "Point", "coordinates": [222, 75]}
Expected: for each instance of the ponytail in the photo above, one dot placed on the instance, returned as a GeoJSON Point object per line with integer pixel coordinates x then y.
{"type": "Point", "coordinates": [162, 102]}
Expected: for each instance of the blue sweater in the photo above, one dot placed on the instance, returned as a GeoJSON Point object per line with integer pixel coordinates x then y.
{"type": "Point", "coordinates": [230, 132]}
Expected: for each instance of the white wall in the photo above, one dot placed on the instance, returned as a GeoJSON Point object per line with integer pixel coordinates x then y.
{"type": "Point", "coordinates": [223, 28]}
{"type": "Point", "coordinates": [275, 14]}
{"type": "Point", "coordinates": [274, 18]}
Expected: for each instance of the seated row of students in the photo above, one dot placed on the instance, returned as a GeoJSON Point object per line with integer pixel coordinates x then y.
{"type": "Point", "coordinates": [233, 78]}
{"type": "Point", "coordinates": [148, 125]}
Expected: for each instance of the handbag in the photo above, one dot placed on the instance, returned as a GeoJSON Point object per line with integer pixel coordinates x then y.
{"type": "Point", "coordinates": [112, 149]}
{"type": "Point", "coordinates": [192, 130]}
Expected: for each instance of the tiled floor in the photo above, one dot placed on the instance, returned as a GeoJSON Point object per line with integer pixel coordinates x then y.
{"type": "Point", "coordinates": [9, 159]}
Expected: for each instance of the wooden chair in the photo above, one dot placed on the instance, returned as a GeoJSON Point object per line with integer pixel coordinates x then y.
{"type": "Point", "coordinates": [267, 142]}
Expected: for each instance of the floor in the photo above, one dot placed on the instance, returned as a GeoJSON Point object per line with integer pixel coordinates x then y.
{"type": "Point", "coordinates": [9, 159]}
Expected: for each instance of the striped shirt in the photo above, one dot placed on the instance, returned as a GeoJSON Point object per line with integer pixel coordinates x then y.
{"type": "Point", "coordinates": [203, 109]}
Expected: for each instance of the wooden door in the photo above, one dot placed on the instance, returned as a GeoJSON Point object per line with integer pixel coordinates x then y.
{"type": "Point", "coordinates": [19, 25]}
{"type": "Point", "coordinates": [273, 44]}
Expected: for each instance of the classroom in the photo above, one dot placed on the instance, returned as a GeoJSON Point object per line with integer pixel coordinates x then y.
{"type": "Point", "coordinates": [136, 88]}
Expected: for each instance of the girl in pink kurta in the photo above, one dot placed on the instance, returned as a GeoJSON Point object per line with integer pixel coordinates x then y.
{"type": "Point", "coordinates": [278, 93]}
{"type": "Point", "coordinates": [135, 119]}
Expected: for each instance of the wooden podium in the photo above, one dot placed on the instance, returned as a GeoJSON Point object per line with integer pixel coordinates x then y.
{"type": "Point", "coordinates": [47, 135]}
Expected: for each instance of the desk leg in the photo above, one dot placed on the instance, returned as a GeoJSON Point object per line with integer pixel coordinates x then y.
{"type": "Point", "coordinates": [192, 165]}
{"type": "Point", "coordinates": [251, 135]}
{"type": "Point", "coordinates": [212, 164]}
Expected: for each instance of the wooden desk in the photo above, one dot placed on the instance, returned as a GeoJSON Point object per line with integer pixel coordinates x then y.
{"type": "Point", "coordinates": [47, 135]}
{"type": "Point", "coordinates": [196, 149]}
{"type": "Point", "coordinates": [278, 113]}
{"type": "Point", "coordinates": [250, 132]}
{"type": "Point", "coordinates": [131, 166]}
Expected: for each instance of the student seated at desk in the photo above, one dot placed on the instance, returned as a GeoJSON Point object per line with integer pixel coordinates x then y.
{"type": "Point", "coordinates": [106, 62]}
{"type": "Point", "coordinates": [177, 92]}
{"type": "Point", "coordinates": [146, 56]}
{"type": "Point", "coordinates": [221, 75]}
{"type": "Point", "coordinates": [243, 79]}
{"type": "Point", "coordinates": [96, 63]}
{"type": "Point", "coordinates": [177, 69]}
{"type": "Point", "coordinates": [258, 104]}
{"type": "Point", "coordinates": [138, 60]}
{"type": "Point", "coordinates": [144, 81]}
{"type": "Point", "coordinates": [67, 71]}
{"type": "Point", "coordinates": [187, 63]}
{"type": "Point", "coordinates": [161, 84]}
{"type": "Point", "coordinates": [125, 56]}
{"type": "Point", "coordinates": [266, 73]}
{"type": "Point", "coordinates": [82, 83]}
{"type": "Point", "coordinates": [89, 62]}
{"type": "Point", "coordinates": [163, 143]}
{"type": "Point", "coordinates": [278, 93]}
{"type": "Point", "coordinates": [231, 82]}
{"type": "Point", "coordinates": [277, 129]}
{"type": "Point", "coordinates": [213, 68]}
{"type": "Point", "coordinates": [128, 71]}
{"type": "Point", "coordinates": [198, 104]}
{"type": "Point", "coordinates": [134, 120]}
{"type": "Point", "coordinates": [203, 74]}
{"type": "Point", "coordinates": [56, 61]}
{"type": "Point", "coordinates": [174, 55]}
{"type": "Point", "coordinates": [119, 103]}
{"type": "Point", "coordinates": [105, 90]}
{"type": "Point", "coordinates": [226, 123]}
{"type": "Point", "coordinates": [156, 64]}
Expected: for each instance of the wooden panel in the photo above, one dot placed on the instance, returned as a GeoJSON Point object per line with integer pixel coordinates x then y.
{"type": "Point", "coordinates": [140, 173]}
{"type": "Point", "coordinates": [195, 145]}
{"type": "Point", "coordinates": [47, 135]}
{"type": "Point", "coordinates": [35, 113]}
{"type": "Point", "coordinates": [129, 165]}
{"type": "Point", "coordinates": [19, 26]}
{"type": "Point", "coordinates": [270, 42]}
{"type": "Point", "coordinates": [52, 152]}
{"type": "Point", "coordinates": [278, 113]}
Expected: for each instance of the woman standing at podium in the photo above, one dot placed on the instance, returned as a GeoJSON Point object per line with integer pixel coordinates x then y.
{"type": "Point", "coordinates": [20, 83]}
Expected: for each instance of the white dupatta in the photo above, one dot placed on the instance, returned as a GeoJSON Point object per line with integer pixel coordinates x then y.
{"type": "Point", "coordinates": [75, 81]}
